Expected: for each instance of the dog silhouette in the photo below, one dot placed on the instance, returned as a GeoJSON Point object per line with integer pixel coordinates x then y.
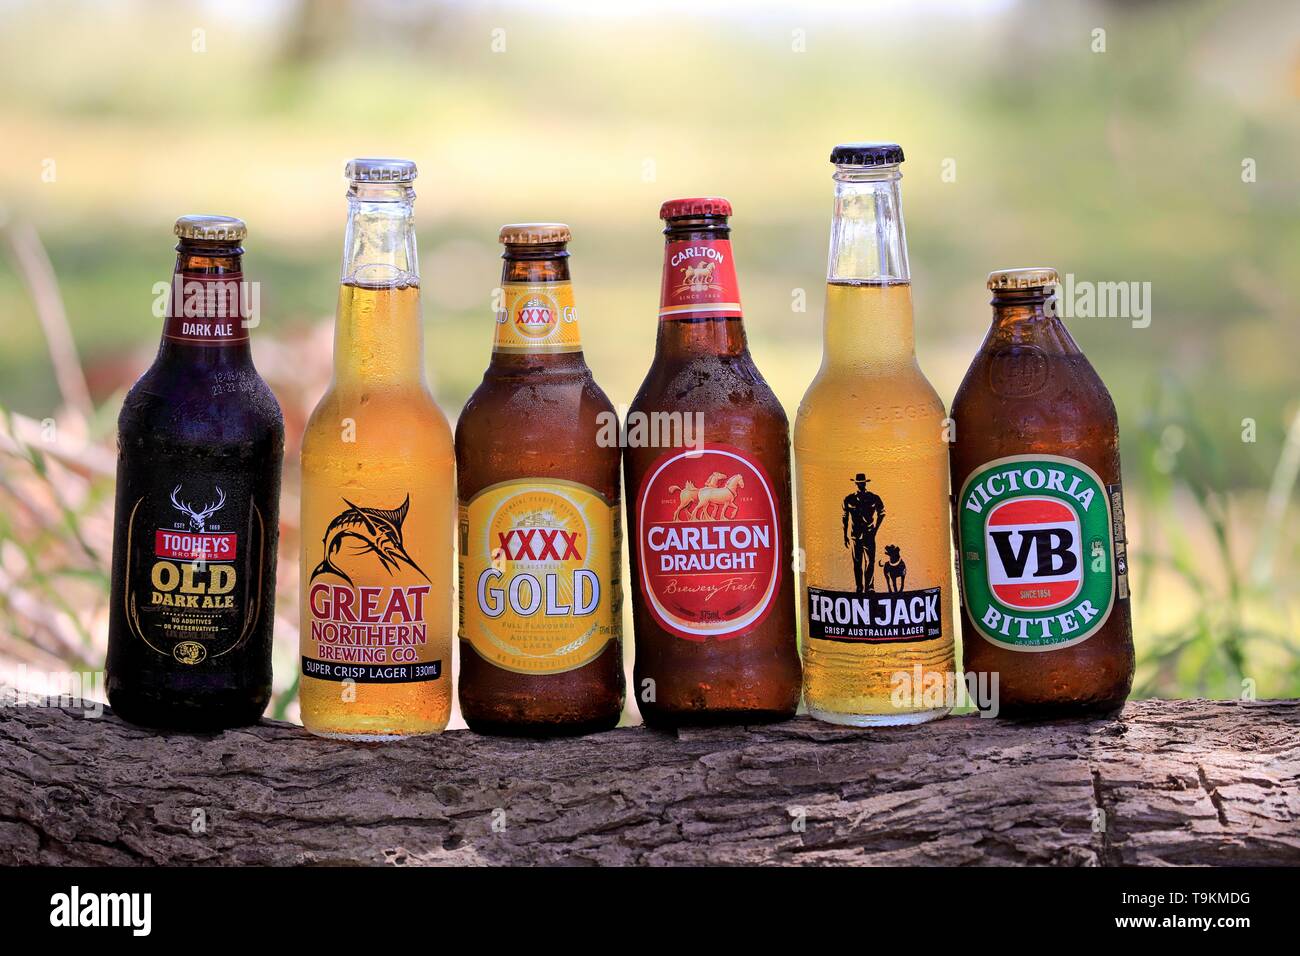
{"type": "Point", "coordinates": [895, 569]}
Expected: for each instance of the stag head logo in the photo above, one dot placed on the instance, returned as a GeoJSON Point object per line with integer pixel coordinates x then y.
{"type": "Point", "coordinates": [198, 519]}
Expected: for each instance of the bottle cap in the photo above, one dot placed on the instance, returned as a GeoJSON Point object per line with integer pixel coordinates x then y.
{"type": "Point", "coordinates": [533, 233]}
{"type": "Point", "coordinates": [370, 170]}
{"type": "Point", "coordinates": [867, 154]}
{"type": "Point", "coordinates": [695, 208]}
{"type": "Point", "coordinates": [211, 228]}
{"type": "Point", "coordinates": [1022, 278]}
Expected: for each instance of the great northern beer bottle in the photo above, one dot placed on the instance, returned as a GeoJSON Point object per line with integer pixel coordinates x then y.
{"type": "Point", "coordinates": [541, 596]}
{"type": "Point", "coordinates": [200, 444]}
{"type": "Point", "coordinates": [872, 475]}
{"type": "Point", "coordinates": [377, 496]}
{"type": "Point", "coordinates": [1038, 513]}
{"type": "Point", "coordinates": [708, 478]}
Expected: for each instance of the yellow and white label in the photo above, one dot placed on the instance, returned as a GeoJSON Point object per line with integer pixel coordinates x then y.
{"type": "Point", "coordinates": [537, 317]}
{"type": "Point", "coordinates": [539, 575]}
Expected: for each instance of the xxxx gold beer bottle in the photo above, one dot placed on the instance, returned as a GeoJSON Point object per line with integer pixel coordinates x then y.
{"type": "Point", "coordinates": [200, 442]}
{"type": "Point", "coordinates": [541, 601]}
{"type": "Point", "coordinates": [377, 499]}
{"type": "Point", "coordinates": [1039, 513]}
{"type": "Point", "coordinates": [872, 475]}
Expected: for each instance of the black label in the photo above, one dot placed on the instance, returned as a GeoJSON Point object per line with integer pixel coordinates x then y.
{"type": "Point", "coordinates": [875, 617]}
{"type": "Point", "coordinates": [372, 673]}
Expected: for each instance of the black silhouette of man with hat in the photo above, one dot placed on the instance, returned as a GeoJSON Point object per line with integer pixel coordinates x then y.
{"type": "Point", "coordinates": [864, 513]}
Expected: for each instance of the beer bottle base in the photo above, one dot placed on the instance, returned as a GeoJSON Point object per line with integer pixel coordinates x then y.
{"type": "Point", "coordinates": [193, 715]}
{"type": "Point", "coordinates": [900, 719]}
{"type": "Point", "coordinates": [534, 729]}
{"type": "Point", "coordinates": [671, 720]}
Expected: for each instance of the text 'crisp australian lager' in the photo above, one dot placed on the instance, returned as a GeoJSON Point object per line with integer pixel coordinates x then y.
{"type": "Point", "coordinates": [872, 475]}
{"type": "Point", "coordinates": [541, 596]}
{"type": "Point", "coordinates": [377, 497]}
{"type": "Point", "coordinates": [708, 481]}
{"type": "Point", "coordinates": [200, 443]}
{"type": "Point", "coordinates": [1039, 512]}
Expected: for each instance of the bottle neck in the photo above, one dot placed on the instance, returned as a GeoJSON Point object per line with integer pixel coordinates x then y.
{"type": "Point", "coordinates": [537, 323]}
{"type": "Point", "coordinates": [868, 321]}
{"type": "Point", "coordinates": [210, 307]}
{"type": "Point", "coordinates": [699, 306]}
{"type": "Point", "coordinates": [378, 335]}
{"type": "Point", "coordinates": [1029, 317]}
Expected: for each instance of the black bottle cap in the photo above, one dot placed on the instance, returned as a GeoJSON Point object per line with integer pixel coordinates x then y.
{"type": "Point", "coordinates": [867, 154]}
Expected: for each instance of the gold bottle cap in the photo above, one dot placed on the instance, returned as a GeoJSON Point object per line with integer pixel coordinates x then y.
{"type": "Point", "coordinates": [211, 228]}
{"type": "Point", "coordinates": [533, 233]}
{"type": "Point", "coordinates": [1022, 278]}
{"type": "Point", "coordinates": [380, 170]}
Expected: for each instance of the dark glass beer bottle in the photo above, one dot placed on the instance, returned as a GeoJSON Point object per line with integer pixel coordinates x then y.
{"type": "Point", "coordinates": [537, 462]}
{"type": "Point", "coordinates": [708, 478]}
{"type": "Point", "coordinates": [1038, 513]}
{"type": "Point", "coordinates": [200, 444]}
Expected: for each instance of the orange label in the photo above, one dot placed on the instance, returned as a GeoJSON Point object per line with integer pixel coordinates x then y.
{"type": "Point", "coordinates": [537, 317]}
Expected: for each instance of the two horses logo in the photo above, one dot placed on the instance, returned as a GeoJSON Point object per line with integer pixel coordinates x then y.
{"type": "Point", "coordinates": [699, 277]}
{"type": "Point", "coordinates": [374, 531]}
{"type": "Point", "coordinates": [715, 500]}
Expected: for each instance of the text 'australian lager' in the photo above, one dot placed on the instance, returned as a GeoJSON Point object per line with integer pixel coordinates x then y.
{"type": "Point", "coordinates": [377, 497]}
{"type": "Point", "coordinates": [708, 482]}
{"type": "Point", "coordinates": [541, 600]}
{"type": "Point", "coordinates": [1039, 512]}
{"type": "Point", "coordinates": [872, 475]}
{"type": "Point", "coordinates": [200, 443]}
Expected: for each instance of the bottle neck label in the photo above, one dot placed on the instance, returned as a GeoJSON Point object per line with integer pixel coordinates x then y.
{"type": "Point", "coordinates": [537, 317]}
{"type": "Point", "coordinates": [211, 310]}
{"type": "Point", "coordinates": [699, 280]}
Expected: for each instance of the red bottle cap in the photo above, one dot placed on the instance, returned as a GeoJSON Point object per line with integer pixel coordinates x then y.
{"type": "Point", "coordinates": [694, 208]}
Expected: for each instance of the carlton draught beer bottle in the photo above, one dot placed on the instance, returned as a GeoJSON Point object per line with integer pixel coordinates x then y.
{"type": "Point", "coordinates": [377, 497]}
{"type": "Point", "coordinates": [200, 443]}
{"type": "Point", "coordinates": [541, 600]}
{"type": "Point", "coordinates": [1039, 514]}
{"type": "Point", "coordinates": [872, 475]}
{"type": "Point", "coordinates": [709, 505]}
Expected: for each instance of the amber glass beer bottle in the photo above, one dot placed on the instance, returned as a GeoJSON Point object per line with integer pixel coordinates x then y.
{"type": "Point", "coordinates": [541, 596]}
{"type": "Point", "coordinates": [200, 443]}
{"type": "Point", "coordinates": [1038, 513]}
{"type": "Point", "coordinates": [872, 475]}
{"type": "Point", "coordinates": [377, 497]}
{"type": "Point", "coordinates": [708, 476]}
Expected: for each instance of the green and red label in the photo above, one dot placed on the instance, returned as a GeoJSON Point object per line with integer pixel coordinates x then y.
{"type": "Point", "coordinates": [1037, 550]}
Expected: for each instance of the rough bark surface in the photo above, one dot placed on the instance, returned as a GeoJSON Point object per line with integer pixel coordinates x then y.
{"type": "Point", "coordinates": [1169, 782]}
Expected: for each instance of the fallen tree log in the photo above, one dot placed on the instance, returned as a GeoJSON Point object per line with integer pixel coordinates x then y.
{"type": "Point", "coordinates": [1169, 782]}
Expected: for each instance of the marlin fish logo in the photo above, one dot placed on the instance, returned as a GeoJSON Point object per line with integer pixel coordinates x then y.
{"type": "Point", "coordinates": [373, 531]}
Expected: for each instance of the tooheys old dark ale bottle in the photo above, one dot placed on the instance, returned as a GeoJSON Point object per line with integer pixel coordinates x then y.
{"type": "Point", "coordinates": [708, 479]}
{"type": "Point", "coordinates": [541, 600]}
{"type": "Point", "coordinates": [1039, 514]}
{"type": "Point", "coordinates": [200, 443]}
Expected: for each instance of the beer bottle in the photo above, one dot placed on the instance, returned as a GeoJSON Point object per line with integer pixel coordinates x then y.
{"type": "Point", "coordinates": [708, 458]}
{"type": "Point", "coordinates": [200, 443]}
{"type": "Point", "coordinates": [377, 499]}
{"type": "Point", "coordinates": [541, 596]}
{"type": "Point", "coordinates": [1038, 513]}
{"type": "Point", "coordinates": [872, 475]}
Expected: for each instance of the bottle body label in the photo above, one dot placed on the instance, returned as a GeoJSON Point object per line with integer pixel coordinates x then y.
{"type": "Point", "coordinates": [537, 317]}
{"type": "Point", "coordinates": [211, 310]}
{"type": "Point", "coordinates": [708, 542]}
{"type": "Point", "coordinates": [1038, 541]}
{"type": "Point", "coordinates": [368, 601]}
{"type": "Point", "coordinates": [539, 575]}
{"type": "Point", "coordinates": [196, 558]}
{"type": "Point", "coordinates": [699, 280]}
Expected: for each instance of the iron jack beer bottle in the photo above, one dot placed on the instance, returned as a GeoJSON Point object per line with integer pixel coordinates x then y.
{"type": "Point", "coordinates": [708, 476]}
{"type": "Point", "coordinates": [872, 475]}
{"type": "Point", "coordinates": [200, 444]}
{"type": "Point", "coordinates": [377, 498]}
{"type": "Point", "coordinates": [1038, 513]}
{"type": "Point", "coordinates": [541, 596]}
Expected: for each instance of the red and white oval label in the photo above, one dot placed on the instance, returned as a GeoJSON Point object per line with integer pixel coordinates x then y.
{"type": "Point", "coordinates": [708, 542]}
{"type": "Point", "coordinates": [1034, 553]}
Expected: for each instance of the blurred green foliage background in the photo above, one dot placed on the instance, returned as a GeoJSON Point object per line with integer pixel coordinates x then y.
{"type": "Point", "coordinates": [1165, 149]}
